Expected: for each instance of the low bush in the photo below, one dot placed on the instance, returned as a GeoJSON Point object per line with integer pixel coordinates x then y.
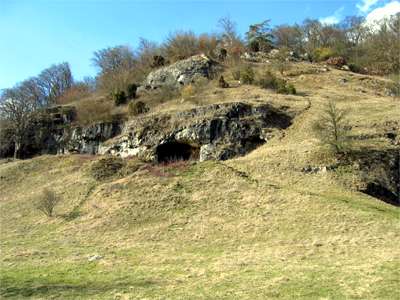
{"type": "Point", "coordinates": [291, 89]}
{"type": "Point", "coordinates": [137, 108]}
{"type": "Point", "coordinates": [188, 91]}
{"type": "Point", "coordinates": [47, 202]}
{"type": "Point", "coordinates": [322, 54]}
{"type": "Point", "coordinates": [119, 98]}
{"type": "Point", "coordinates": [356, 68]}
{"type": "Point", "coordinates": [131, 91]}
{"type": "Point", "coordinates": [222, 83]}
{"type": "Point", "coordinates": [106, 167]}
{"type": "Point", "coordinates": [247, 75]}
{"type": "Point", "coordinates": [269, 81]}
{"type": "Point", "coordinates": [394, 86]}
{"type": "Point", "coordinates": [236, 73]}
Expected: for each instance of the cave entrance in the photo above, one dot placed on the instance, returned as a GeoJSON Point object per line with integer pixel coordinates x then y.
{"type": "Point", "coordinates": [380, 192]}
{"type": "Point", "coordinates": [174, 151]}
{"type": "Point", "coordinates": [252, 143]}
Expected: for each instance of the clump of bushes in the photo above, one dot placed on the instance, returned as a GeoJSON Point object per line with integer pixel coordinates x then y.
{"type": "Point", "coordinates": [106, 167]}
{"type": "Point", "coordinates": [131, 91]}
{"type": "Point", "coordinates": [47, 202]}
{"type": "Point", "coordinates": [244, 73]}
{"type": "Point", "coordinates": [322, 54]}
{"type": "Point", "coordinates": [119, 97]}
{"type": "Point", "coordinates": [270, 81]}
{"type": "Point", "coordinates": [247, 75]}
{"type": "Point", "coordinates": [137, 108]}
{"type": "Point", "coordinates": [356, 68]}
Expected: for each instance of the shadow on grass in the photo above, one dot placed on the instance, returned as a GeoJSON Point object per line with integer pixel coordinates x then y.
{"type": "Point", "coordinates": [30, 289]}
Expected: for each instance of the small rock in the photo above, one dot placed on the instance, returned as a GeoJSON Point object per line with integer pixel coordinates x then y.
{"type": "Point", "coordinates": [95, 257]}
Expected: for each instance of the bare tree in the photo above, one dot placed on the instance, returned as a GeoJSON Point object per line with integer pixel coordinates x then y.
{"type": "Point", "coordinates": [113, 59]}
{"type": "Point", "coordinates": [118, 68]}
{"type": "Point", "coordinates": [16, 111]}
{"type": "Point", "coordinates": [288, 36]}
{"type": "Point", "coordinates": [53, 82]}
{"type": "Point", "coordinates": [47, 202]}
{"type": "Point", "coordinates": [229, 31]}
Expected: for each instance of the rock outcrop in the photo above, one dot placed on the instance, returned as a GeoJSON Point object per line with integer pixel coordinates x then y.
{"type": "Point", "coordinates": [86, 140]}
{"type": "Point", "coordinates": [214, 132]}
{"type": "Point", "coordinates": [181, 73]}
{"type": "Point", "coordinates": [379, 173]}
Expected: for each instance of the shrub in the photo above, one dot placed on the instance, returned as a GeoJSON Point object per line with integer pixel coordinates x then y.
{"type": "Point", "coordinates": [137, 108]}
{"type": "Point", "coordinates": [291, 89]}
{"type": "Point", "coordinates": [282, 60]}
{"type": "Point", "coordinates": [222, 83]}
{"type": "Point", "coordinates": [47, 202]}
{"type": "Point", "coordinates": [236, 73]}
{"type": "Point", "coordinates": [131, 91]}
{"type": "Point", "coordinates": [394, 86]}
{"type": "Point", "coordinates": [355, 68]}
{"type": "Point", "coordinates": [267, 80]}
{"type": "Point", "coordinates": [281, 86]}
{"type": "Point", "coordinates": [106, 167]}
{"type": "Point", "coordinates": [270, 81]}
{"type": "Point", "coordinates": [188, 91]}
{"type": "Point", "coordinates": [119, 97]}
{"type": "Point", "coordinates": [247, 75]}
{"type": "Point", "coordinates": [322, 54]}
{"type": "Point", "coordinates": [181, 45]}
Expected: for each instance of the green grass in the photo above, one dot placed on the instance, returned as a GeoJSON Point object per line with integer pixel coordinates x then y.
{"type": "Point", "coordinates": [251, 228]}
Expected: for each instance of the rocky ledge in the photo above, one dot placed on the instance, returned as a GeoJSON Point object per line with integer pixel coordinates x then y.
{"type": "Point", "coordinates": [214, 132]}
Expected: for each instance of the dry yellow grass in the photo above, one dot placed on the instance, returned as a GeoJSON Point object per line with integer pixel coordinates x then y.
{"type": "Point", "coordinates": [255, 227]}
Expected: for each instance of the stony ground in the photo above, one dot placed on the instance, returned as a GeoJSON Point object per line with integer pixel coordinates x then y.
{"type": "Point", "coordinates": [255, 227]}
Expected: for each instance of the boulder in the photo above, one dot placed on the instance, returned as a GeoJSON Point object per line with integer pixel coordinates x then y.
{"type": "Point", "coordinates": [214, 132]}
{"type": "Point", "coordinates": [182, 72]}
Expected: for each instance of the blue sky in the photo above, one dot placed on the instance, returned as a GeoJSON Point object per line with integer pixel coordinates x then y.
{"type": "Point", "coordinates": [37, 33]}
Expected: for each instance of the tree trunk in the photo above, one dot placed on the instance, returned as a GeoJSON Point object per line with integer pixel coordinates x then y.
{"type": "Point", "coordinates": [17, 147]}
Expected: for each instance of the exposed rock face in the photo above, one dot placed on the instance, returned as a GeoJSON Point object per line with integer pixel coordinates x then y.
{"type": "Point", "coordinates": [181, 73]}
{"type": "Point", "coordinates": [53, 132]}
{"type": "Point", "coordinates": [215, 132]}
{"type": "Point", "coordinates": [380, 174]}
{"type": "Point", "coordinates": [87, 139]}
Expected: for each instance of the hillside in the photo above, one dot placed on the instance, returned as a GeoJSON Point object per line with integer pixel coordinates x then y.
{"type": "Point", "coordinates": [259, 226]}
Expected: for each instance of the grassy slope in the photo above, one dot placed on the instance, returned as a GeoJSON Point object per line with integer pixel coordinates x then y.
{"type": "Point", "coordinates": [249, 228]}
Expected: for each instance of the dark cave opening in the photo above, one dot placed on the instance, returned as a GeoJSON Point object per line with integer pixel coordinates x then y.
{"type": "Point", "coordinates": [381, 193]}
{"type": "Point", "coordinates": [174, 151]}
{"type": "Point", "coordinates": [252, 143]}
